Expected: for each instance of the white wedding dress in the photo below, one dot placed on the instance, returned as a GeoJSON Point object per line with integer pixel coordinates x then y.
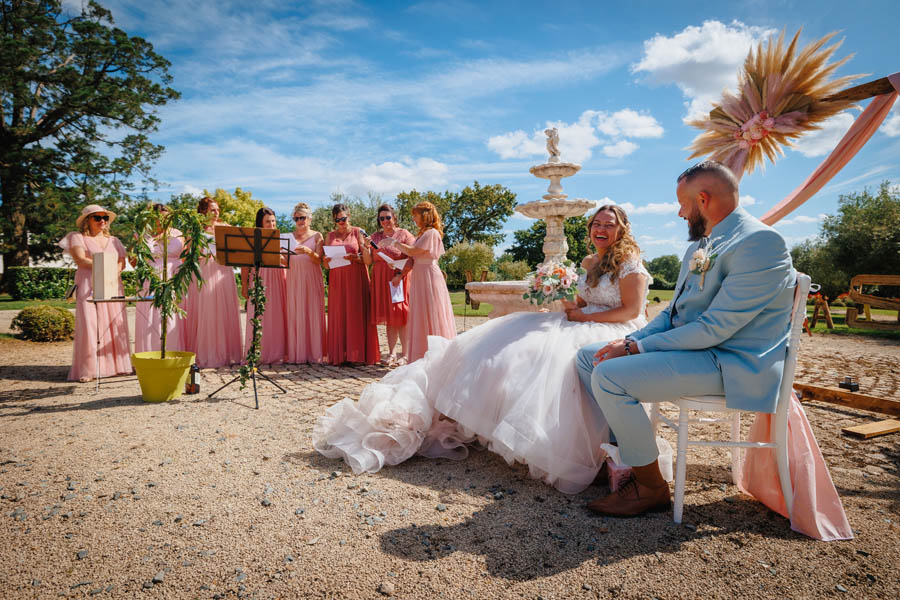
{"type": "Point", "coordinates": [510, 384]}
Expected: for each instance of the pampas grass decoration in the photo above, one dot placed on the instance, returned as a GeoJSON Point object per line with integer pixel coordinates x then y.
{"type": "Point", "coordinates": [780, 98]}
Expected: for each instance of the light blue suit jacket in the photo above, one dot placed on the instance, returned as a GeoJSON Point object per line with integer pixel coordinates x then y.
{"type": "Point", "coordinates": [741, 314]}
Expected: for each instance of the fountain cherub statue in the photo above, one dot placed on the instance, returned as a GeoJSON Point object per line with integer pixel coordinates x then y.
{"type": "Point", "coordinates": [552, 143]}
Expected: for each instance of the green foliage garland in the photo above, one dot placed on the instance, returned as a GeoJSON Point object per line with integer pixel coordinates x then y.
{"type": "Point", "coordinates": [257, 295]}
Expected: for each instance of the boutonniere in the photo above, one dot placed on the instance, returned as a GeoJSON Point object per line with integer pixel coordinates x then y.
{"type": "Point", "coordinates": [700, 263]}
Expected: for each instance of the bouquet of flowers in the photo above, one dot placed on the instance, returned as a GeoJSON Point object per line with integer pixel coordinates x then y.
{"type": "Point", "coordinates": [552, 281]}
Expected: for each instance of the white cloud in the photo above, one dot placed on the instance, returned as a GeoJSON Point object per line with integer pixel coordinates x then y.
{"type": "Point", "coordinates": [577, 140]}
{"type": "Point", "coordinates": [747, 200]}
{"type": "Point", "coordinates": [193, 190]}
{"type": "Point", "coordinates": [801, 220]}
{"type": "Point", "coordinates": [392, 177]}
{"type": "Point", "coordinates": [654, 208]}
{"type": "Point", "coordinates": [619, 149]}
{"type": "Point", "coordinates": [701, 61]}
{"type": "Point", "coordinates": [823, 141]}
{"type": "Point", "coordinates": [891, 125]}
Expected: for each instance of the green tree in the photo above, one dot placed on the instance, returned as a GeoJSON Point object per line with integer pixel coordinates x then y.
{"type": "Point", "coordinates": [363, 212]}
{"type": "Point", "coordinates": [815, 258]}
{"type": "Point", "coordinates": [474, 257]}
{"type": "Point", "coordinates": [477, 213]}
{"type": "Point", "coordinates": [664, 270]}
{"type": "Point", "coordinates": [76, 106]}
{"type": "Point", "coordinates": [529, 243]}
{"type": "Point", "coordinates": [864, 237]}
{"type": "Point", "coordinates": [509, 269]}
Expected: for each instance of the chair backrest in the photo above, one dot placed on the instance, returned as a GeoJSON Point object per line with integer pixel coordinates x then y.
{"type": "Point", "coordinates": [798, 314]}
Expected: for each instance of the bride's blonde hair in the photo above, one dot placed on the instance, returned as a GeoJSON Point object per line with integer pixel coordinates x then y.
{"type": "Point", "coordinates": [623, 249]}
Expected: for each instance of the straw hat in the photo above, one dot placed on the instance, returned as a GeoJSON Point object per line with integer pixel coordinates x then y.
{"type": "Point", "coordinates": [91, 209]}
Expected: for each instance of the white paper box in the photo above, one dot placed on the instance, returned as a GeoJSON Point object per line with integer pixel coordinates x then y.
{"type": "Point", "coordinates": [106, 275]}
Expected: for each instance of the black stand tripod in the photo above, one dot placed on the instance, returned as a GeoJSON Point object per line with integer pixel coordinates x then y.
{"type": "Point", "coordinates": [247, 240]}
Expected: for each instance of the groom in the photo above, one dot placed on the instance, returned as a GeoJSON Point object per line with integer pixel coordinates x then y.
{"type": "Point", "coordinates": [725, 332]}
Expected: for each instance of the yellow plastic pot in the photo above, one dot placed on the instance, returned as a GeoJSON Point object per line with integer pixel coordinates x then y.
{"type": "Point", "coordinates": [162, 379]}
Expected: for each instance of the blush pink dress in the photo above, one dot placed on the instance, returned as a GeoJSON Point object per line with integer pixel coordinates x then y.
{"type": "Point", "coordinates": [113, 351]}
{"type": "Point", "coordinates": [305, 306]}
{"type": "Point", "coordinates": [383, 310]}
{"type": "Point", "coordinates": [147, 322]}
{"type": "Point", "coordinates": [273, 344]}
{"type": "Point", "coordinates": [352, 336]}
{"type": "Point", "coordinates": [430, 311]}
{"type": "Point", "coordinates": [212, 329]}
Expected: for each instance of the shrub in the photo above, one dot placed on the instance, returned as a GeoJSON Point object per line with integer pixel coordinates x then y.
{"type": "Point", "coordinates": [466, 256]}
{"type": "Point", "coordinates": [44, 323]}
{"type": "Point", "coordinates": [37, 283]}
{"type": "Point", "coordinates": [512, 270]}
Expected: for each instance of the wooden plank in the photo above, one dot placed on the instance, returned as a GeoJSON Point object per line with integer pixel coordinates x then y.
{"type": "Point", "coordinates": [863, 91]}
{"type": "Point", "coordinates": [851, 399]}
{"type": "Point", "coordinates": [828, 319]}
{"type": "Point", "coordinates": [867, 430]}
{"type": "Point", "coordinates": [852, 320]}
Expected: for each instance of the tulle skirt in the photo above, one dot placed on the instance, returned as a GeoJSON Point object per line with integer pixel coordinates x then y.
{"type": "Point", "coordinates": [510, 384]}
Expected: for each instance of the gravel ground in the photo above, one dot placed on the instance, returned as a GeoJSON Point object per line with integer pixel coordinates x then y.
{"type": "Point", "coordinates": [106, 496]}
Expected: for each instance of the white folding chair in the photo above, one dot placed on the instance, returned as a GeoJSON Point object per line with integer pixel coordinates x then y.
{"type": "Point", "coordinates": [717, 404]}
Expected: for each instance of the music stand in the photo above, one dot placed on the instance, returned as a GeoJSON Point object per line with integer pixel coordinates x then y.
{"type": "Point", "coordinates": [256, 248]}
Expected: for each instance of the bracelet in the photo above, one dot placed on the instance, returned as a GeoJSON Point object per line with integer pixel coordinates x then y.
{"type": "Point", "coordinates": [628, 347]}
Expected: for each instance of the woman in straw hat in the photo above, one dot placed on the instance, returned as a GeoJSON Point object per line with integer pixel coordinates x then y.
{"type": "Point", "coordinates": [111, 355]}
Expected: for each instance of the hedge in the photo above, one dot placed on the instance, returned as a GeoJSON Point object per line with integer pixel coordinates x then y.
{"type": "Point", "coordinates": [44, 324]}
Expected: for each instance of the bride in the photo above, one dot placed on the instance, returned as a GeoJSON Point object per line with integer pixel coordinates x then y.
{"type": "Point", "coordinates": [510, 383]}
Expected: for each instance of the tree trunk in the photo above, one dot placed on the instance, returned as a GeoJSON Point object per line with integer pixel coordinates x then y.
{"type": "Point", "coordinates": [14, 230]}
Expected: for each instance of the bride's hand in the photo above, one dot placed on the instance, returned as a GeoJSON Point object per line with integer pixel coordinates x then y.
{"type": "Point", "coordinates": [576, 315]}
{"type": "Point", "coordinates": [568, 305]}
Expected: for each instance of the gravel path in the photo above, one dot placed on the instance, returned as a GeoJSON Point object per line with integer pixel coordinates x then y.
{"type": "Point", "coordinates": [105, 496]}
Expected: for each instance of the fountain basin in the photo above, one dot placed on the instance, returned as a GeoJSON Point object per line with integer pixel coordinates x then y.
{"type": "Point", "coordinates": [505, 297]}
{"type": "Point", "coordinates": [541, 209]}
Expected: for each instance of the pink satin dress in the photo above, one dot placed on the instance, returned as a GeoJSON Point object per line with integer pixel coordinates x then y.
{"type": "Point", "coordinates": [430, 311]}
{"type": "Point", "coordinates": [305, 305]}
{"type": "Point", "coordinates": [212, 329]}
{"type": "Point", "coordinates": [112, 355]}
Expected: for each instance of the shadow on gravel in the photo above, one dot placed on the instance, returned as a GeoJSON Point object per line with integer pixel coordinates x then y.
{"type": "Point", "coordinates": [98, 404]}
{"type": "Point", "coordinates": [24, 395]}
{"type": "Point", "coordinates": [34, 372]}
{"type": "Point", "coordinates": [530, 530]}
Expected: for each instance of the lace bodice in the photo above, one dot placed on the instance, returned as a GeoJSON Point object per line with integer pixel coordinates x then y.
{"type": "Point", "coordinates": [605, 294]}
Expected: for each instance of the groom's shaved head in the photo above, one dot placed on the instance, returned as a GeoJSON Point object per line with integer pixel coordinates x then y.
{"type": "Point", "coordinates": [707, 193]}
{"type": "Point", "coordinates": [711, 171]}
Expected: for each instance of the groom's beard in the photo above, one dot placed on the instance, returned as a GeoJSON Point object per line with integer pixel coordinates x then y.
{"type": "Point", "coordinates": [696, 226]}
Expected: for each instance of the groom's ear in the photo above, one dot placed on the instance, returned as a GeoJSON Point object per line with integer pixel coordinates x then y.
{"type": "Point", "coordinates": [703, 198]}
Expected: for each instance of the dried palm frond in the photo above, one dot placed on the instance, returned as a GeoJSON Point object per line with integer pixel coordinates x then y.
{"type": "Point", "coordinates": [780, 97]}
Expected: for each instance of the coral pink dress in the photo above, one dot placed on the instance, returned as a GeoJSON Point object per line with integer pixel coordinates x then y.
{"type": "Point", "coordinates": [212, 329]}
{"type": "Point", "coordinates": [352, 336]}
{"type": "Point", "coordinates": [273, 345]}
{"type": "Point", "coordinates": [113, 351]}
{"type": "Point", "coordinates": [430, 311]}
{"type": "Point", "coordinates": [147, 322]}
{"type": "Point", "coordinates": [305, 302]}
{"type": "Point", "coordinates": [383, 310]}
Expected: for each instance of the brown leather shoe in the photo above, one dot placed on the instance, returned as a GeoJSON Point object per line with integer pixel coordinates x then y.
{"type": "Point", "coordinates": [632, 499]}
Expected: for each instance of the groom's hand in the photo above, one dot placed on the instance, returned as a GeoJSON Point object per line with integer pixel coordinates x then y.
{"type": "Point", "coordinates": [614, 349]}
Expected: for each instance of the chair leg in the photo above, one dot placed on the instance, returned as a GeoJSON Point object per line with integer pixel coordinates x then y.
{"type": "Point", "coordinates": [735, 451]}
{"type": "Point", "coordinates": [784, 468]}
{"type": "Point", "coordinates": [654, 417]}
{"type": "Point", "coordinates": [681, 464]}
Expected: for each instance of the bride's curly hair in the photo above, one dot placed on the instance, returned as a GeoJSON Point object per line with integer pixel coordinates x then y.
{"type": "Point", "coordinates": [623, 249]}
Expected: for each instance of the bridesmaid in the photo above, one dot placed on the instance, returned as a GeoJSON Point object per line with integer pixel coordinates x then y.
{"type": "Point", "coordinates": [112, 354]}
{"type": "Point", "coordinates": [385, 311]}
{"type": "Point", "coordinates": [430, 311]}
{"type": "Point", "coordinates": [272, 346]}
{"type": "Point", "coordinates": [305, 298]}
{"type": "Point", "coordinates": [147, 322]}
{"type": "Point", "coordinates": [352, 335]}
{"type": "Point", "coordinates": [213, 325]}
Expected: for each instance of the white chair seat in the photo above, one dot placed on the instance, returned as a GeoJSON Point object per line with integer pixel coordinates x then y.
{"type": "Point", "coordinates": [715, 403]}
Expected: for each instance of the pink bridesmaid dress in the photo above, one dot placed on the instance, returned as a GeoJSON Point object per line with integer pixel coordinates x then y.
{"type": "Point", "coordinates": [305, 306]}
{"type": "Point", "coordinates": [113, 352]}
{"type": "Point", "coordinates": [430, 311]}
{"type": "Point", "coordinates": [212, 329]}
{"type": "Point", "coordinates": [352, 336]}
{"type": "Point", "coordinates": [273, 345]}
{"type": "Point", "coordinates": [384, 311]}
{"type": "Point", "coordinates": [147, 322]}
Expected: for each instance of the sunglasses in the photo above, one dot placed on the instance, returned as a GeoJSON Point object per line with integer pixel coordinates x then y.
{"type": "Point", "coordinates": [299, 219]}
{"type": "Point", "coordinates": [340, 220]}
{"type": "Point", "coordinates": [99, 218]}
{"type": "Point", "coordinates": [385, 218]}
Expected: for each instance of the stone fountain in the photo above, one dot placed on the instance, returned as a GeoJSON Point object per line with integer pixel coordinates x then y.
{"type": "Point", "coordinates": [506, 296]}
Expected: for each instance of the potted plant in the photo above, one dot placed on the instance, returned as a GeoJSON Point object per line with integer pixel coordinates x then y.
{"type": "Point", "coordinates": [162, 373]}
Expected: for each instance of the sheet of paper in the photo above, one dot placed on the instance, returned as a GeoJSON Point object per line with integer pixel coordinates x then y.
{"type": "Point", "coordinates": [396, 263]}
{"type": "Point", "coordinates": [336, 255]}
{"type": "Point", "coordinates": [396, 292]}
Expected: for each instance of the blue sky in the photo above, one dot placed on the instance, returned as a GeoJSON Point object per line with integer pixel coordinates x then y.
{"type": "Point", "coordinates": [295, 100]}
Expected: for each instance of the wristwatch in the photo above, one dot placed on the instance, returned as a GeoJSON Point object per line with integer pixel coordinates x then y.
{"type": "Point", "coordinates": [628, 346]}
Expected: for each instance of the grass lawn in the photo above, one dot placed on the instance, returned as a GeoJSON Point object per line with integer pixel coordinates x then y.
{"type": "Point", "coordinates": [663, 295]}
{"type": "Point", "coordinates": [458, 300]}
{"type": "Point", "coordinates": [839, 314]}
{"type": "Point", "coordinates": [7, 303]}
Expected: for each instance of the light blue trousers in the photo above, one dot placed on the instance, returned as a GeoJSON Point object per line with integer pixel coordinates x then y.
{"type": "Point", "coordinates": [619, 385]}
